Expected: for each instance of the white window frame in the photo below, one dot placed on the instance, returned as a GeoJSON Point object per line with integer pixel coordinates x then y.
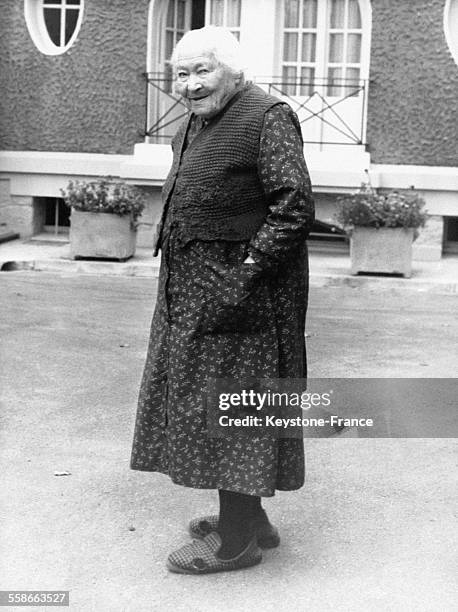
{"type": "Point", "coordinates": [177, 33]}
{"type": "Point", "coordinates": [345, 31]}
{"type": "Point", "coordinates": [34, 18]}
{"type": "Point", "coordinates": [234, 29]}
{"type": "Point", "coordinates": [451, 27]}
{"type": "Point", "coordinates": [323, 31]}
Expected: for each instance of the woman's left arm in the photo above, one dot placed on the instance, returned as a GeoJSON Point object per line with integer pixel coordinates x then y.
{"type": "Point", "coordinates": [285, 179]}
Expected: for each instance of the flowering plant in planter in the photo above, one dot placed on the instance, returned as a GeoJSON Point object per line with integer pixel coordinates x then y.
{"type": "Point", "coordinates": [105, 195]}
{"type": "Point", "coordinates": [367, 208]}
{"type": "Point", "coordinates": [103, 223]}
{"type": "Point", "coordinates": [382, 228]}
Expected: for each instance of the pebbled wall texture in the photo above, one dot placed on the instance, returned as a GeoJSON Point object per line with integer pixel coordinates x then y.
{"type": "Point", "coordinates": [413, 95]}
{"type": "Point", "coordinates": [89, 99]}
{"type": "Point", "coordinates": [92, 98]}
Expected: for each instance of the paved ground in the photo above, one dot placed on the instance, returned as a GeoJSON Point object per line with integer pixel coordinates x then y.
{"type": "Point", "coordinates": [373, 529]}
{"type": "Point", "coordinates": [328, 267]}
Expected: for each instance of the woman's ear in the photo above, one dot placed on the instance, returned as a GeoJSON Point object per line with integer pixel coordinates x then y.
{"type": "Point", "coordinates": [240, 78]}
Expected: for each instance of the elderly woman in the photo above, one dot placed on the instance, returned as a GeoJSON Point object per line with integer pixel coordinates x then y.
{"type": "Point", "coordinates": [231, 300]}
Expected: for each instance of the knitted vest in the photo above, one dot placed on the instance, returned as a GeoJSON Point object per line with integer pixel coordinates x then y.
{"type": "Point", "coordinates": [214, 186]}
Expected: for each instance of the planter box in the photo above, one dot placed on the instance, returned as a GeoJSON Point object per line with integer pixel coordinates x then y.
{"type": "Point", "coordinates": [101, 235]}
{"type": "Point", "coordinates": [385, 250]}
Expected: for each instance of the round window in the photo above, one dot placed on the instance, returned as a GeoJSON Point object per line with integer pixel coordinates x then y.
{"type": "Point", "coordinates": [451, 27]}
{"type": "Point", "coordinates": [53, 24]}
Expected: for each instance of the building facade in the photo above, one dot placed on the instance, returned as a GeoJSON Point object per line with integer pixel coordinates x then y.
{"type": "Point", "coordinates": [86, 91]}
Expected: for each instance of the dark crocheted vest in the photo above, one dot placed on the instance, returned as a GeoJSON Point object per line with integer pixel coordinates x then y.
{"type": "Point", "coordinates": [214, 186]}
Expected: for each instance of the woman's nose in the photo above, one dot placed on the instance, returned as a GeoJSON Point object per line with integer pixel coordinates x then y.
{"type": "Point", "coordinates": [194, 83]}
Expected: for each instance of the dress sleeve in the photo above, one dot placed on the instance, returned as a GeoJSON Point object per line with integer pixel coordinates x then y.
{"type": "Point", "coordinates": [285, 180]}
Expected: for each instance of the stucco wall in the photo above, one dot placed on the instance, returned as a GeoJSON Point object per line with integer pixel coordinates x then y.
{"type": "Point", "coordinates": [412, 111]}
{"type": "Point", "coordinates": [91, 98]}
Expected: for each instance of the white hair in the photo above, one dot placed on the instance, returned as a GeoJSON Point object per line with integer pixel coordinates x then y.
{"type": "Point", "coordinates": [214, 41]}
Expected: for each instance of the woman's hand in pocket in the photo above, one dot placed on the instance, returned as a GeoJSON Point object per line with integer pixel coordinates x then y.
{"type": "Point", "coordinates": [232, 297]}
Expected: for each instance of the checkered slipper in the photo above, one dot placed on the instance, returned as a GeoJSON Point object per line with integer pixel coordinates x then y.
{"type": "Point", "coordinates": [199, 557]}
{"type": "Point", "coordinates": [266, 534]}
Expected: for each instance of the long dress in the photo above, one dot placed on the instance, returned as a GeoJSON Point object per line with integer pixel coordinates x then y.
{"type": "Point", "coordinates": [171, 428]}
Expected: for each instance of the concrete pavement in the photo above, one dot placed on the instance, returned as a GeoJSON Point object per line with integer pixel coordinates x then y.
{"type": "Point", "coordinates": [374, 528]}
{"type": "Point", "coordinates": [328, 269]}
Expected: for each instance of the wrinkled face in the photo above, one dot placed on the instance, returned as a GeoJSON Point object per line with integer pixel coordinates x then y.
{"type": "Point", "coordinates": [204, 84]}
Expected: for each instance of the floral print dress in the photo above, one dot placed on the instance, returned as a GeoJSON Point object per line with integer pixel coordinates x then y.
{"type": "Point", "coordinates": [200, 331]}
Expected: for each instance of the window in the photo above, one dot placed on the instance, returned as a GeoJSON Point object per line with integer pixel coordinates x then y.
{"type": "Point", "coordinates": [451, 27]}
{"type": "Point", "coordinates": [321, 40]}
{"type": "Point", "coordinates": [53, 24]}
{"type": "Point", "coordinates": [224, 13]}
{"type": "Point", "coordinates": [183, 15]}
{"type": "Point", "coordinates": [176, 24]}
{"type": "Point", "coordinates": [168, 21]}
{"type": "Point", "coordinates": [57, 216]}
{"type": "Point", "coordinates": [52, 216]}
{"type": "Point", "coordinates": [451, 235]}
{"type": "Point", "coordinates": [299, 46]}
{"type": "Point", "coordinates": [344, 55]}
{"type": "Point", "coordinates": [172, 18]}
{"type": "Point", "coordinates": [323, 67]}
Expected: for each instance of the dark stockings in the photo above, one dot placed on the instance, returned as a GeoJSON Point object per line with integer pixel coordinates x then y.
{"type": "Point", "coordinates": [237, 512]}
